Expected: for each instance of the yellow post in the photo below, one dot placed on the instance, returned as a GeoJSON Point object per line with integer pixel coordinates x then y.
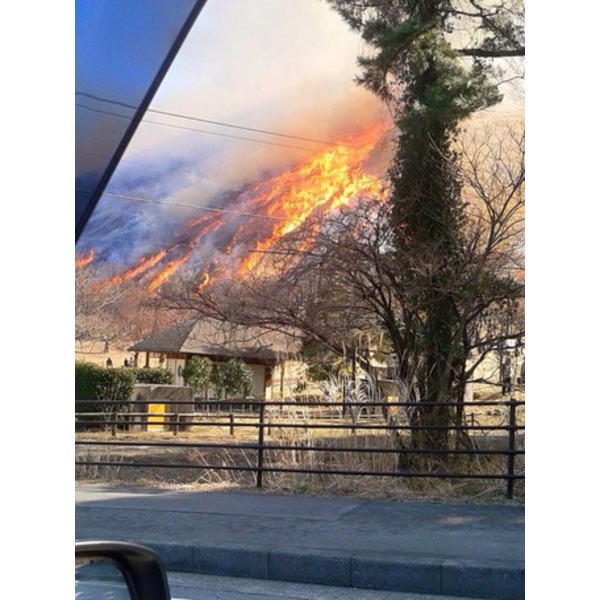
{"type": "Point", "coordinates": [156, 417]}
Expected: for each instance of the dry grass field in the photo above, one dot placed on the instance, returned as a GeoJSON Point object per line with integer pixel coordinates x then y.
{"type": "Point", "coordinates": [92, 351]}
{"type": "Point", "coordinates": [190, 458]}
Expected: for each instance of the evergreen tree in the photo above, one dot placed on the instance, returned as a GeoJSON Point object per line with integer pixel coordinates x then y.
{"type": "Point", "coordinates": [428, 83]}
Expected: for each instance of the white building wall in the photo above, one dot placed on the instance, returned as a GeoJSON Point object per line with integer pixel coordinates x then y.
{"type": "Point", "coordinates": [286, 376]}
{"type": "Point", "coordinates": [258, 381]}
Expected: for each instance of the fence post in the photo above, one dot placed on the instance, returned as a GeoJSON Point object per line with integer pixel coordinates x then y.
{"type": "Point", "coordinates": [261, 441]}
{"type": "Point", "coordinates": [510, 483]}
{"type": "Point", "coordinates": [231, 423]}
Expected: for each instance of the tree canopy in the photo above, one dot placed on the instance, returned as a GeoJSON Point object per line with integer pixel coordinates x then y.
{"type": "Point", "coordinates": [417, 62]}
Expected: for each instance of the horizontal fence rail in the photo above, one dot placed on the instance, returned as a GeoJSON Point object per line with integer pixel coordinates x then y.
{"type": "Point", "coordinates": [305, 437]}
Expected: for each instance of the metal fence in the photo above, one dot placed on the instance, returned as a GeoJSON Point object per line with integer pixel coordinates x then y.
{"type": "Point", "coordinates": [487, 443]}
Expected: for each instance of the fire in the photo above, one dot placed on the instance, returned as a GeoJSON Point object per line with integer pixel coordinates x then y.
{"type": "Point", "coordinates": [328, 181]}
{"type": "Point", "coordinates": [264, 213]}
{"type": "Point", "coordinates": [84, 259]}
{"type": "Point", "coordinates": [205, 282]}
{"type": "Point", "coordinates": [141, 267]}
{"type": "Point", "coordinates": [166, 273]}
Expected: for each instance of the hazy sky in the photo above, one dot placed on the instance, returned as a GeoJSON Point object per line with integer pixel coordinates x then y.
{"type": "Point", "coordinates": [270, 64]}
{"type": "Point", "coordinates": [281, 65]}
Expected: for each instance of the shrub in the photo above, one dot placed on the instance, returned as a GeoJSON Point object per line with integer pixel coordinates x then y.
{"type": "Point", "coordinates": [197, 373]}
{"type": "Point", "coordinates": [93, 382]}
{"type": "Point", "coordinates": [157, 375]}
{"type": "Point", "coordinates": [115, 384]}
{"type": "Point", "coordinates": [86, 375]}
{"type": "Point", "coordinates": [231, 378]}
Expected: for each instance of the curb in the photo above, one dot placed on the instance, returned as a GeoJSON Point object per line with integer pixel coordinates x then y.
{"type": "Point", "coordinates": [484, 581]}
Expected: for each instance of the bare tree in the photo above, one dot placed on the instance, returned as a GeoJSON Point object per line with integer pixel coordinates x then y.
{"type": "Point", "coordinates": [112, 312]}
{"type": "Point", "coordinates": [336, 279]}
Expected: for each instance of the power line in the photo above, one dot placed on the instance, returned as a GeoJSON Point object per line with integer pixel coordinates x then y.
{"type": "Point", "coordinates": [218, 123]}
{"type": "Point", "coordinates": [226, 135]}
{"type": "Point", "coordinates": [235, 137]}
{"type": "Point", "coordinates": [222, 124]}
{"type": "Point", "coordinates": [184, 205]}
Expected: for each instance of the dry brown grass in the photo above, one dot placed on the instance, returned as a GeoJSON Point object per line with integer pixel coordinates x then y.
{"type": "Point", "coordinates": [196, 464]}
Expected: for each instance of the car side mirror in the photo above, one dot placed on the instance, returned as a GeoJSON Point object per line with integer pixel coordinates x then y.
{"type": "Point", "coordinates": [119, 571]}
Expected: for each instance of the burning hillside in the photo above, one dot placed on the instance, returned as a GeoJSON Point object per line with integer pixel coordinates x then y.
{"type": "Point", "coordinates": [231, 236]}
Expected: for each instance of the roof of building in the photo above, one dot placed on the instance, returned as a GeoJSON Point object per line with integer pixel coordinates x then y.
{"type": "Point", "coordinates": [217, 339]}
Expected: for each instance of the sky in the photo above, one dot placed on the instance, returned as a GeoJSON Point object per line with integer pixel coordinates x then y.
{"type": "Point", "coordinates": [263, 64]}
{"type": "Point", "coordinates": [285, 67]}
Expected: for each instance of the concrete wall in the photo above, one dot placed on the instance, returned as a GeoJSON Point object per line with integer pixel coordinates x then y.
{"type": "Point", "coordinates": [161, 398]}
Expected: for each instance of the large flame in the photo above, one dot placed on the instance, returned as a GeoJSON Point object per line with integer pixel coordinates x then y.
{"type": "Point", "coordinates": [263, 214]}
{"type": "Point", "coordinates": [144, 265]}
{"type": "Point", "coordinates": [328, 181]}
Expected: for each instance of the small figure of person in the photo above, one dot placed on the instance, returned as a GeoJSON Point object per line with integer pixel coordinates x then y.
{"type": "Point", "coordinates": [109, 362]}
{"type": "Point", "coordinates": [126, 362]}
{"type": "Point", "coordinates": [106, 346]}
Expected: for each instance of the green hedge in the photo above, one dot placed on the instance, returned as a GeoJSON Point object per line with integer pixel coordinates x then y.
{"type": "Point", "coordinates": [93, 382]}
{"type": "Point", "coordinates": [157, 375]}
{"type": "Point", "coordinates": [85, 385]}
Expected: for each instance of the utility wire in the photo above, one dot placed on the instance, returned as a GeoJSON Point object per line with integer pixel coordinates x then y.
{"type": "Point", "coordinates": [235, 137]}
{"type": "Point", "coordinates": [194, 206]}
{"type": "Point", "coordinates": [218, 123]}
{"type": "Point", "coordinates": [226, 135]}
{"type": "Point", "coordinates": [222, 124]}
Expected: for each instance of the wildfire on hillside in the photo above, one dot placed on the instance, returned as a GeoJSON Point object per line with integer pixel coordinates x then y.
{"type": "Point", "coordinates": [230, 240]}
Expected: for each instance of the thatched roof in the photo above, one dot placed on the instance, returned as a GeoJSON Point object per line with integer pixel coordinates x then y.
{"type": "Point", "coordinates": [216, 339]}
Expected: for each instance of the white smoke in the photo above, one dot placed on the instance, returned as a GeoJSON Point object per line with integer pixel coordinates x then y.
{"type": "Point", "coordinates": [286, 67]}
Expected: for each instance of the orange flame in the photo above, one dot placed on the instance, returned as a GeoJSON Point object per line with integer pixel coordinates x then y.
{"type": "Point", "coordinates": [329, 180]}
{"type": "Point", "coordinates": [142, 267]}
{"type": "Point", "coordinates": [84, 259]}
{"type": "Point", "coordinates": [206, 224]}
{"type": "Point", "coordinates": [167, 272]}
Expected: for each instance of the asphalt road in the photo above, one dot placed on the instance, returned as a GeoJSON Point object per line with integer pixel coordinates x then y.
{"type": "Point", "coordinates": [465, 550]}
{"type": "Point", "coordinates": [187, 586]}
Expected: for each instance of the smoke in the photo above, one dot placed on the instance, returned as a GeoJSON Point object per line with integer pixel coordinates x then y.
{"type": "Point", "coordinates": [283, 67]}
{"type": "Point", "coordinates": [315, 115]}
